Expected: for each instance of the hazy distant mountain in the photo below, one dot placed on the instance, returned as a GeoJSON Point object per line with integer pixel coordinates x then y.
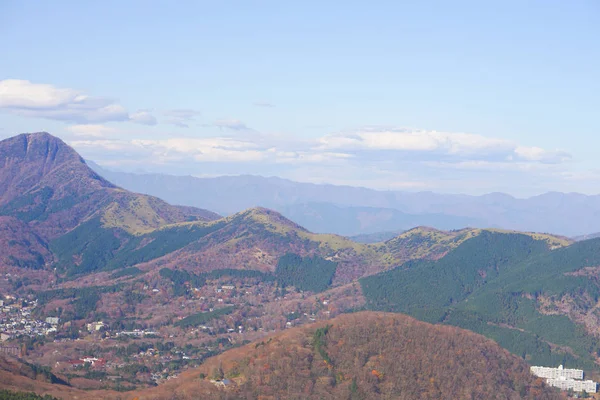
{"type": "Point", "coordinates": [352, 210]}
{"type": "Point", "coordinates": [327, 217]}
{"type": "Point", "coordinates": [56, 212]}
{"type": "Point", "coordinates": [587, 237]}
{"type": "Point", "coordinates": [375, 237]}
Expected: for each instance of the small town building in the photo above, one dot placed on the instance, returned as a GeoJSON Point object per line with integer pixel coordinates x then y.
{"type": "Point", "coordinates": [95, 326]}
{"type": "Point", "coordinates": [221, 383]}
{"type": "Point", "coordinates": [565, 379]}
{"type": "Point", "coordinates": [556, 373]}
{"type": "Point", "coordinates": [10, 350]}
{"type": "Point", "coordinates": [576, 385]}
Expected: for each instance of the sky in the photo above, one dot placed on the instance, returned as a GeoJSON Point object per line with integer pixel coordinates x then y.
{"type": "Point", "coordinates": [455, 97]}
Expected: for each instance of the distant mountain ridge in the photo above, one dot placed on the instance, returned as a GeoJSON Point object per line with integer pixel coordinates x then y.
{"type": "Point", "coordinates": [352, 211]}
{"type": "Point", "coordinates": [534, 293]}
{"type": "Point", "coordinates": [84, 224]}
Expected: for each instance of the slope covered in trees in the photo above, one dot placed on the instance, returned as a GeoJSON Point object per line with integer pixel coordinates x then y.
{"type": "Point", "coordinates": [21, 246]}
{"type": "Point", "coordinates": [364, 356]}
{"type": "Point", "coordinates": [508, 287]}
{"type": "Point", "coordinates": [305, 273]}
{"type": "Point", "coordinates": [10, 395]}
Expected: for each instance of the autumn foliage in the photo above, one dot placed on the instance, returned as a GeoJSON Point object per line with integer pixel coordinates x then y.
{"type": "Point", "coordinates": [373, 356]}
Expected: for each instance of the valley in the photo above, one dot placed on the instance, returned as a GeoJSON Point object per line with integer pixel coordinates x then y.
{"type": "Point", "coordinates": [117, 292]}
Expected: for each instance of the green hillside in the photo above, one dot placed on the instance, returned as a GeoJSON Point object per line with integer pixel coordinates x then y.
{"type": "Point", "coordinates": [92, 247]}
{"type": "Point", "coordinates": [305, 273]}
{"type": "Point", "coordinates": [509, 287]}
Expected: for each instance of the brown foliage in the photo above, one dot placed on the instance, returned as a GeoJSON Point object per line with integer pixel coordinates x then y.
{"type": "Point", "coordinates": [372, 356]}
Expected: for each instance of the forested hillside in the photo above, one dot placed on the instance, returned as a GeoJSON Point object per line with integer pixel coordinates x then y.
{"type": "Point", "coordinates": [538, 303]}
{"type": "Point", "coordinates": [364, 356]}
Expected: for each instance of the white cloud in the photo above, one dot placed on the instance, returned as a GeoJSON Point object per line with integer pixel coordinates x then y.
{"type": "Point", "coordinates": [143, 117]}
{"type": "Point", "coordinates": [542, 155]}
{"type": "Point", "coordinates": [15, 93]}
{"type": "Point", "coordinates": [465, 150]}
{"type": "Point", "coordinates": [390, 149]}
{"type": "Point", "coordinates": [36, 100]}
{"type": "Point", "coordinates": [304, 157]}
{"type": "Point", "coordinates": [91, 130]}
{"type": "Point", "coordinates": [400, 139]}
{"type": "Point", "coordinates": [233, 124]}
{"type": "Point", "coordinates": [384, 158]}
{"type": "Point", "coordinates": [179, 149]}
{"type": "Point", "coordinates": [191, 145]}
{"type": "Point", "coordinates": [28, 99]}
{"type": "Point", "coordinates": [377, 154]}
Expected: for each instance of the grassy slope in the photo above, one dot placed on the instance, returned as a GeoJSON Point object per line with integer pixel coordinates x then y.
{"type": "Point", "coordinates": [425, 242]}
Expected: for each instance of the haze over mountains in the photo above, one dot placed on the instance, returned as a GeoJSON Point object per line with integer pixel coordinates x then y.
{"type": "Point", "coordinates": [85, 250]}
{"type": "Point", "coordinates": [351, 211]}
{"type": "Point", "coordinates": [299, 200]}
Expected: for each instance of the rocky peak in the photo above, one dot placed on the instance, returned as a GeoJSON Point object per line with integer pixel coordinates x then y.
{"type": "Point", "coordinates": [33, 160]}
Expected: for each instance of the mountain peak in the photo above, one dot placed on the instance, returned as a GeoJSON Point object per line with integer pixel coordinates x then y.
{"type": "Point", "coordinates": [30, 146]}
{"type": "Point", "coordinates": [46, 184]}
{"type": "Point", "coordinates": [272, 219]}
{"type": "Point", "coordinates": [32, 161]}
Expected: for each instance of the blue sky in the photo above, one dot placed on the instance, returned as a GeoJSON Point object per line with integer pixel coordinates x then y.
{"type": "Point", "coordinates": [462, 96]}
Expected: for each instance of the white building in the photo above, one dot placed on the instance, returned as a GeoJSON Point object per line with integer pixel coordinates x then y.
{"type": "Point", "coordinates": [52, 320]}
{"type": "Point", "coordinates": [95, 326]}
{"type": "Point", "coordinates": [578, 386]}
{"type": "Point", "coordinates": [557, 373]}
{"type": "Point", "coordinates": [564, 378]}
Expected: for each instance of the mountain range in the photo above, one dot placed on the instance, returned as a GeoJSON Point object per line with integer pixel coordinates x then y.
{"type": "Point", "coordinates": [87, 249]}
{"type": "Point", "coordinates": [61, 213]}
{"type": "Point", "coordinates": [350, 211]}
